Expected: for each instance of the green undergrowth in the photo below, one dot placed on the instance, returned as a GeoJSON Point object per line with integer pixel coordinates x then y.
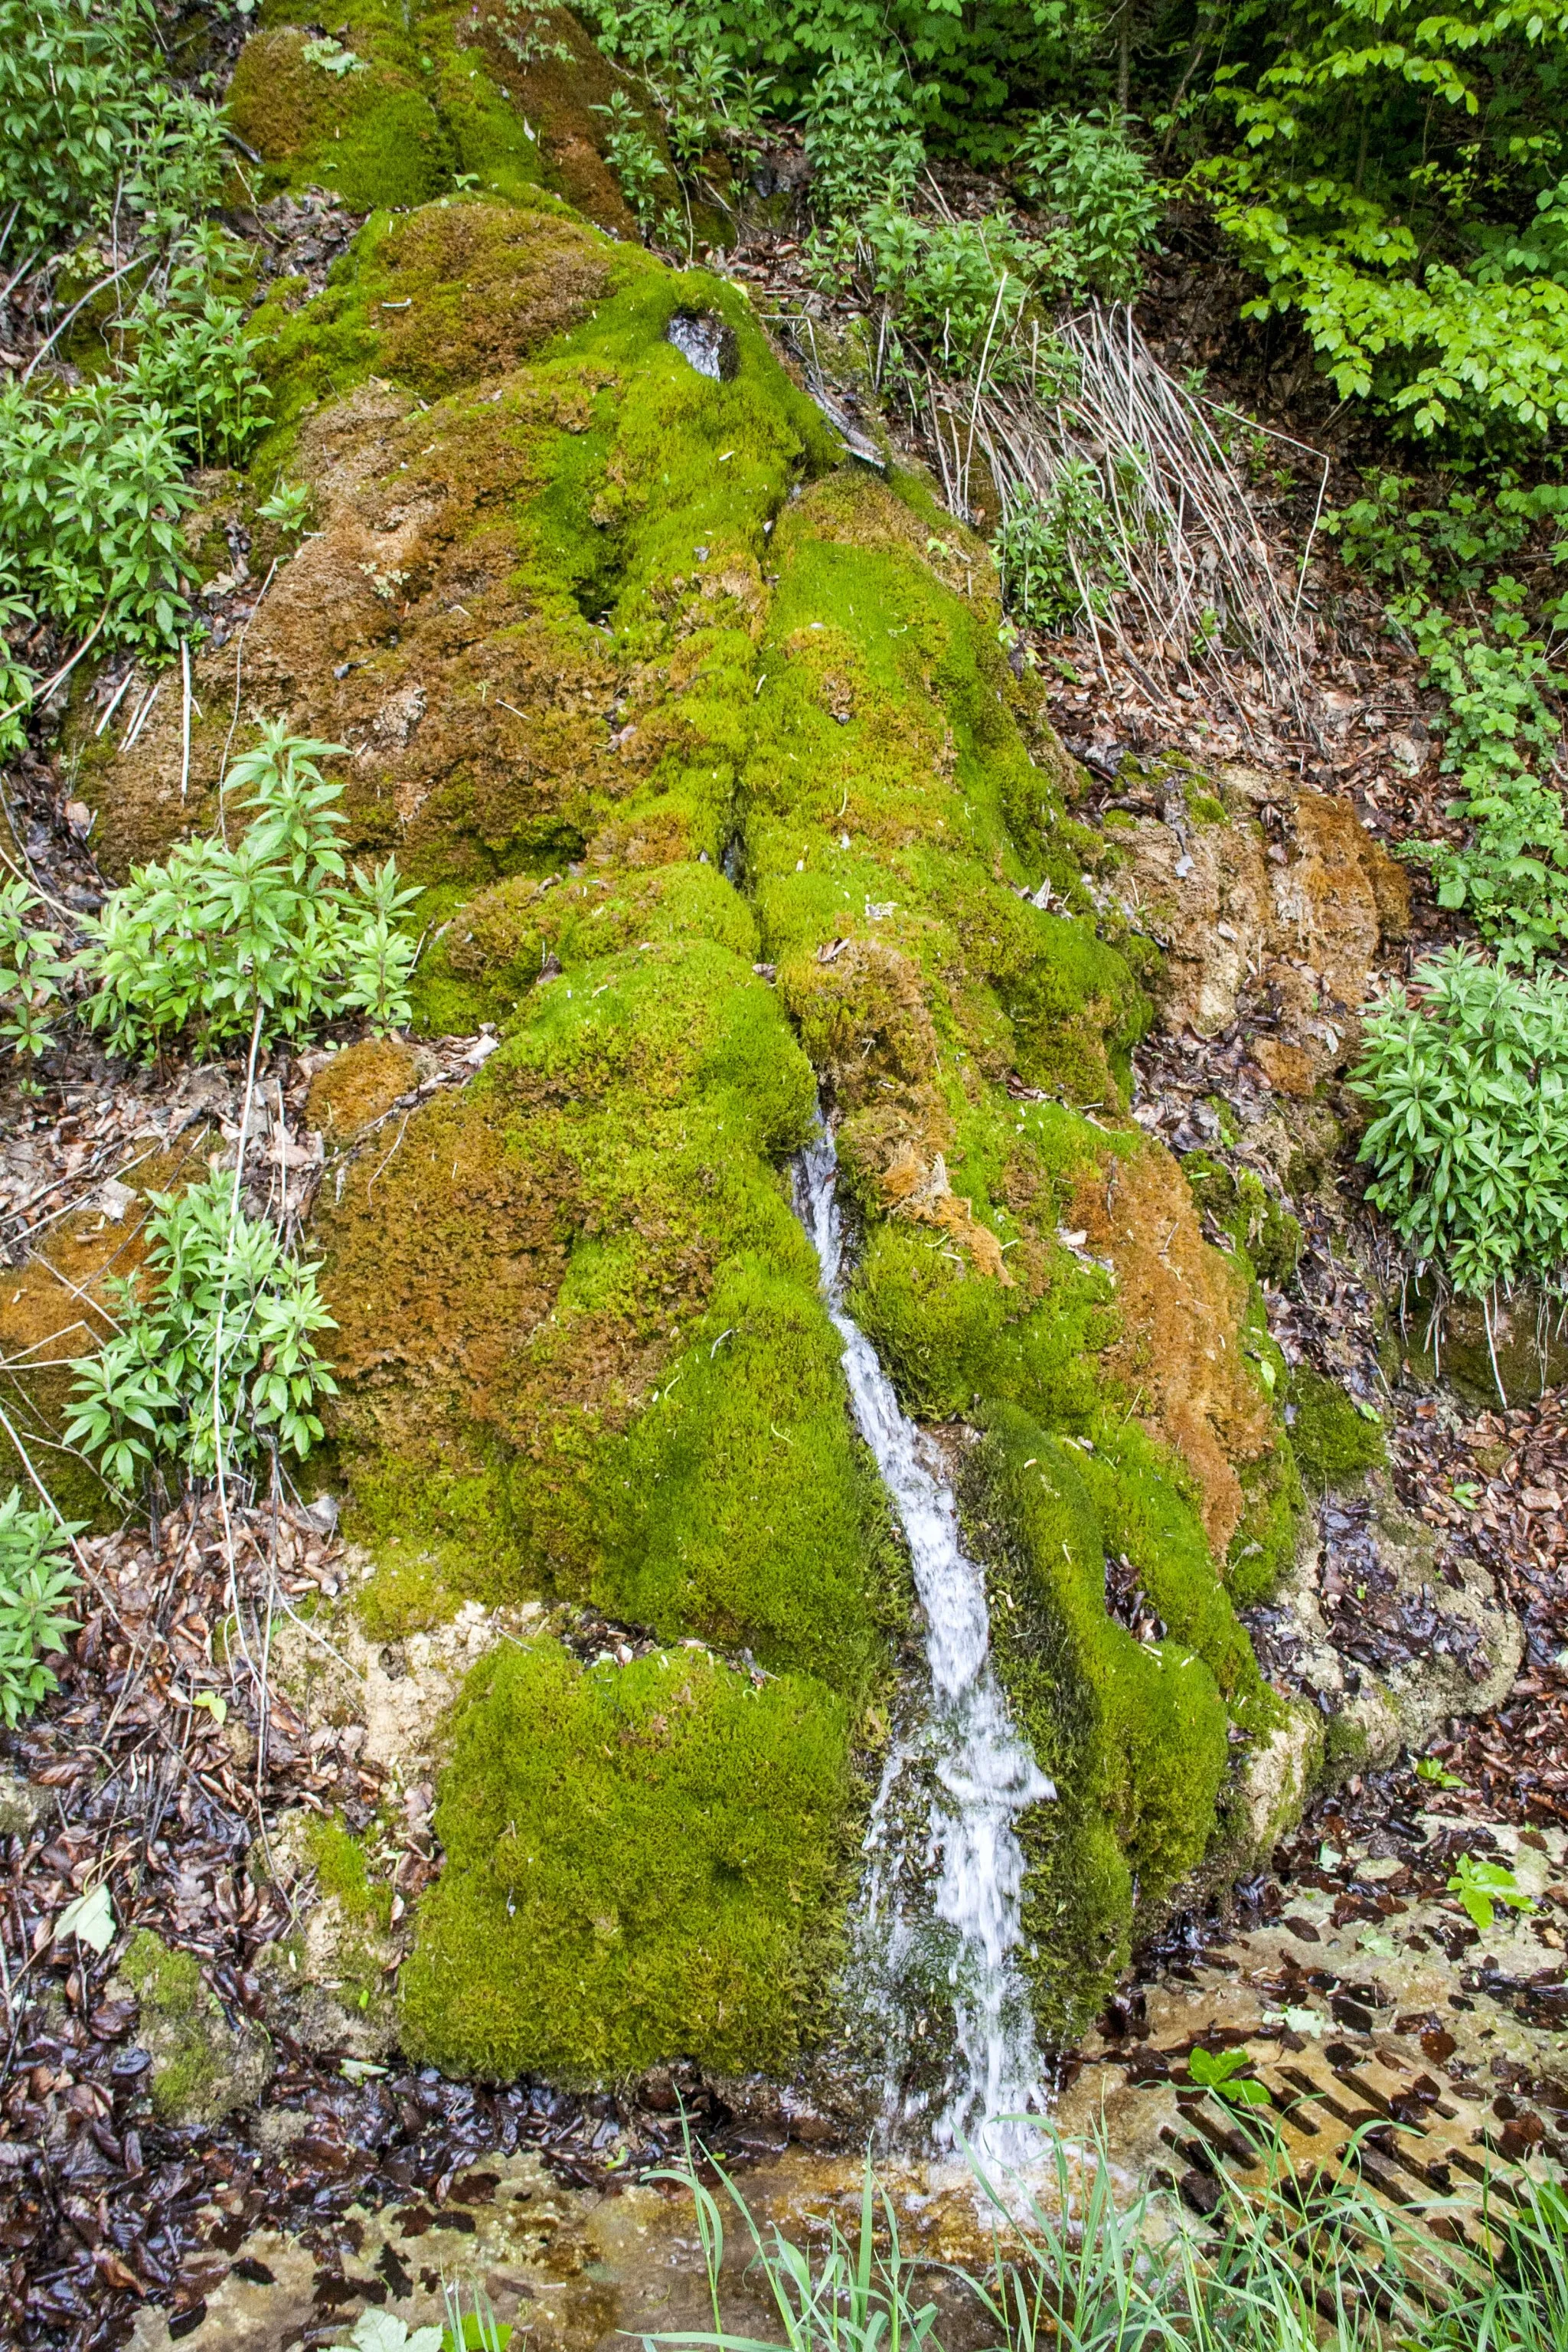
{"type": "Point", "coordinates": [641, 1860]}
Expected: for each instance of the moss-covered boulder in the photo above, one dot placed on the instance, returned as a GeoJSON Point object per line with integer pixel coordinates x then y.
{"type": "Point", "coordinates": [726, 802]}
{"type": "Point", "coordinates": [641, 1860]}
{"type": "Point", "coordinates": [403, 102]}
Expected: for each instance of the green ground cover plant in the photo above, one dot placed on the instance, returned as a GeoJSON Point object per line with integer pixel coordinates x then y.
{"type": "Point", "coordinates": [32, 973]}
{"type": "Point", "coordinates": [214, 1351]}
{"type": "Point", "coordinates": [36, 1582]}
{"type": "Point", "coordinates": [275, 935]}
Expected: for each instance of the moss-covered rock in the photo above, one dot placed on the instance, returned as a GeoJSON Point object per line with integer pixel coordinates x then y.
{"type": "Point", "coordinates": [1333, 1438]}
{"type": "Point", "coordinates": [724, 797]}
{"type": "Point", "coordinates": [641, 1860]}
{"type": "Point", "coordinates": [401, 103]}
{"type": "Point", "coordinates": [202, 2068]}
{"type": "Point", "coordinates": [1133, 1735]}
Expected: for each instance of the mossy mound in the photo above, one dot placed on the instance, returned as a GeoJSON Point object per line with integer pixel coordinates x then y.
{"type": "Point", "coordinates": [402, 103]}
{"type": "Point", "coordinates": [640, 1860]}
{"type": "Point", "coordinates": [723, 793]}
{"type": "Point", "coordinates": [1132, 1733]}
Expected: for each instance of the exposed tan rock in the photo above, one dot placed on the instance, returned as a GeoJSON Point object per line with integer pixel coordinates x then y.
{"type": "Point", "coordinates": [1300, 928]}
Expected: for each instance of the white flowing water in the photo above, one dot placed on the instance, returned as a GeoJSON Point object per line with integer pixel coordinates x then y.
{"type": "Point", "coordinates": [986, 1774]}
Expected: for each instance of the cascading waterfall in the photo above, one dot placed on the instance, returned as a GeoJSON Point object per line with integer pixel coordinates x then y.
{"type": "Point", "coordinates": [984, 1773]}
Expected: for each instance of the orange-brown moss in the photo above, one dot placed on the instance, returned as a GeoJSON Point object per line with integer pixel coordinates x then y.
{"type": "Point", "coordinates": [353, 1088]}
{"type": "Point", "coordinates": [1182, 1306]}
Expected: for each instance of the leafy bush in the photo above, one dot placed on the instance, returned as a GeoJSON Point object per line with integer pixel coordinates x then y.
{"type": "Point", "coordinates": [86, 119]}
{"type": "Point", "coordinates": [229, 1323]}
{"type": "Point", "coordinates": [36, 1582]}
{"type": "Point", "coordinates": [861, 134]}
{"type": "Point", "coordinates": [1501, 728]}
{"type": "Point", "coordinates": [198, 945]}
{"type": "Point", "coordinates": [1084, 171]}
{"type": "Point", "coordinates": [638, 167]}
{"type": "Point", "coordinates": [1060, 556]}
{"type": "Point", "coordinates": [91, 491]}
{"type": "Point", "coordinates": [959, 287]}
{"type": "Point", "coordinates": [92, 477]}
{"type": "Point", "coordinates": [1500, 733]}
{"type": "Point", "coordinates": [31, 970]}
{"type": "Point", "coordinates": [1394, 183]}
{"type": "Point", "coordinates": [1468, 1077]}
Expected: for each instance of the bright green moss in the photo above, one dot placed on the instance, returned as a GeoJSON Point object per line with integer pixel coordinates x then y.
{"type": "Point", "coordinates": [1264, 1544]}
{"type": "Point", "coordinates": [1334, 1442]}
{"type": "Point", "coordinates": [1133, 1737]}
{"type": "Point", "coordinates": [642, 1864]}
{"type": "Point", "coordinates": [338, 1859]}
{"type": "Point", "coordinates": [951, 1335]}
{"type": "Point", "coordinates": [422, 107]}
{"type": "Point", "coordinates": [180, 2013]}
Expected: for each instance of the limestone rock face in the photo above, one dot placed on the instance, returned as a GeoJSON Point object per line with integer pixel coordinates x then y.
{"type": "Point", "coordinates": [1295, 921]}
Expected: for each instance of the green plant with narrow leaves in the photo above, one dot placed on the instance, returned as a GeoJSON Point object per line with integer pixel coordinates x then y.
{"type": "Point", "coordinates": [640, 170]}
{"type": "Point", "coordinates": [87, 119]}
{"type": "Point", "coordinates": [32, 973]}
{"type": "Point", "coordinates": [1084, 172]}
{"type": "Point", "coordinates": [275, 929]}
{"type": "Point", "coordinates": [215, 1347]}
{"type": "Point", "coordinates": [862, 135]}
{"type": "Point", "coordinates": [37, 1582]}
{"type": "Point", "coordinates": [1466, 1072]}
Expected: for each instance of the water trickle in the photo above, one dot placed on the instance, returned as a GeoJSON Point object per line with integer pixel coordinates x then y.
{"type": "Point", "coordinates": [985, 1775]}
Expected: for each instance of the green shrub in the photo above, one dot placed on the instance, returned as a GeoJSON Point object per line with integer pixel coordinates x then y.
{"type": "Point", "coordinates": [1083, 171]}
{"type": "Point", "coordinates": [1466, 1073]}
{"type": "Point", "coordinates": [959, 287]}
{"type": "Point", "coordinates": [861, 134]}
{"type": "Point", "coordinates": [1060, 556]}
{"type": "Point", "coordinates": [1499, 734]}
{"type": "Point", "coordinates": [214, 1347]}
{"type": "Point", "coordinates": [91, 491]}
{"type": "Point", "coordinates": [638, 165]}
{"type": "Point", "coordinates": [88, 121]}
{"type": "Point", "coordinates": [37, 1580]}
{"type": "Point", "coordinates": [275, 927]}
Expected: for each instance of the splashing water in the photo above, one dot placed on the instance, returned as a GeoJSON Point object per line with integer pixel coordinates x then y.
{"type": "Point", "coordinates": [984, 1772]}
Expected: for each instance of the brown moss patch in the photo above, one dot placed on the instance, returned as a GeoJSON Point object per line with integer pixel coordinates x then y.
{"type": "Point", "coordinates": [475, 287]}
{"type": "Point", "coordinates": [1182, 1306]}
{"type": "Point", "coordinates": [558, 96]}
{"type": "Point", "coordinates": [862, 1016]}
{"type": "Point", "coordinates": [352, 1088]}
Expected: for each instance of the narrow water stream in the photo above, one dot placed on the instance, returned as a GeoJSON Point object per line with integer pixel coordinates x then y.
{"type": "Point", "coordinates": [983, 1773]}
